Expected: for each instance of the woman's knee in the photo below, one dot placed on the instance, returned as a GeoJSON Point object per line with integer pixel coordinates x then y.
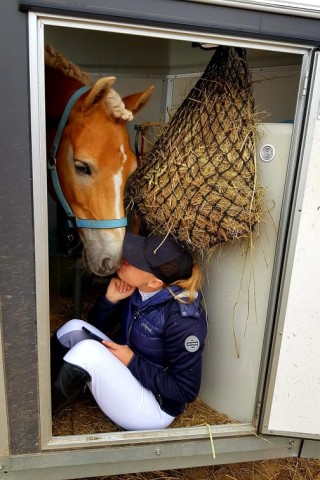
{"type": "Point", "coordinates": [74, 324]}
{"type": "Point", "coordinates": [88, 353]}
{"type": "Point", "coordinates": [71, 333]}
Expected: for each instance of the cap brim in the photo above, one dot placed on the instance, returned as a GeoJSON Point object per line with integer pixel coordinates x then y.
{"type": "Point", "coordinates": [133, 251]}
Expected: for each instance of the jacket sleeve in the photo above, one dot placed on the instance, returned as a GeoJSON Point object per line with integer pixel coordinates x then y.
{"type": "Point", "coordinates": [104, 313]}
{"type": "Point", "coordinates": [180, 380]}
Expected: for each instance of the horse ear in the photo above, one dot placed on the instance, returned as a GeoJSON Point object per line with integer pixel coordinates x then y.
{"type": "Point", "coordinates": [102, 91]}
{"type": "Point", "coordinates": [98, 91]}
{"type": "Point", "coordinates": [137, 101]}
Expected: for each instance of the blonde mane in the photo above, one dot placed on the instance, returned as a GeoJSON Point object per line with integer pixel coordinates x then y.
{"type": "Point", "coordinates": [56, 60]}
{"type": "Point", "coordinates": [113, 100]}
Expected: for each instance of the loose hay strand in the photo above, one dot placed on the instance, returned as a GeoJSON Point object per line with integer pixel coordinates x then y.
{"type": "Point", "coordinates": [211, 442]}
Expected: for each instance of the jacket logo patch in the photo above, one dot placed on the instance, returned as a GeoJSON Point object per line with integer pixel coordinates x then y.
{"type": "Point", "coordinates": [192, 343]}
{"type": "Point", "coordinates": [146, 327]}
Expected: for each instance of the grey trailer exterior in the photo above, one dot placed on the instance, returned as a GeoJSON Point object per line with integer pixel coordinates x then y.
{"type": "Point", "coordinates": [288, 361]}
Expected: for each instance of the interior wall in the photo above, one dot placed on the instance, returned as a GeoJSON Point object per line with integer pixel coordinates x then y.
{"type": "Point", "coordinates": [96, 51]}
{"type": "Point", "coordinates": [236, 292]}
{"type": "Point", "coordinates": [275, 74]}
{"type": "Point", "coordinates": [275, 91]}
{"type": "Point", "coordinates": [114, 53]}
{"type": "Point", "coordinates": [185, 57]}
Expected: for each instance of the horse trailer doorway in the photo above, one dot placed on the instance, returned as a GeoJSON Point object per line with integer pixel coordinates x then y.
{"type": "Point", "coordinates": [246, 294]}
{"type": "Point", "coordinates": [235, 336]}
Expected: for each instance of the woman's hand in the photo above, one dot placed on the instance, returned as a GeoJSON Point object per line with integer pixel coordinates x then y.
{"type": "Point", "coordinates": [122, 352]}
{"type": "Point", "coordinates": [118, 290]}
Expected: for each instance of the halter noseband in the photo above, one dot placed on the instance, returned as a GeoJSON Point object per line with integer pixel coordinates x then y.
{"type": "Point", "coordinates": [78, 222]}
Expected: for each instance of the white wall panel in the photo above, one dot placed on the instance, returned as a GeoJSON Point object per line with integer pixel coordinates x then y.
{"type": "Point", "coordinates": [237, 295]}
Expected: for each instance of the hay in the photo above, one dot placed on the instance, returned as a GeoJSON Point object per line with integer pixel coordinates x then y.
{"type": "Point", "coordinates": [199, 413]}
{"type": "Point", "coordinates": [198, 181]}
{"type": "Point", "coordinates": [84, 417]}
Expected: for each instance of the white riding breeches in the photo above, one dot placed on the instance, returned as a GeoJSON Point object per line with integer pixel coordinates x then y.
{"type": "Point", "coordinates": [117, 392]}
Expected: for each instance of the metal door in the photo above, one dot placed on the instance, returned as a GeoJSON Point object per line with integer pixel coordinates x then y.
{"type": "Point", "coordinates": [292, 404]}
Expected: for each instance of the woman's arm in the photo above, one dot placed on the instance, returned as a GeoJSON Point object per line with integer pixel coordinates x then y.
{"type": "Point", "coordinates": [108, 305]}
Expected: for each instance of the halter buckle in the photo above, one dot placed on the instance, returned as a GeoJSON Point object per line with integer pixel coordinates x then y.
{"type": "Point", "coordinates": [52, 161]}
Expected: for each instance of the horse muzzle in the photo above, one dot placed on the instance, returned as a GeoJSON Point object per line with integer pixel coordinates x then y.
{"type": "Point", "coordinates": [102, 252]}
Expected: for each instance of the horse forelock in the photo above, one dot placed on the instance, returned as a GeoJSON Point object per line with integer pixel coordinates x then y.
{"type": "Point", "coordinates": [116, 106]}
{"type": "Point", "coordinates": [102, 94]}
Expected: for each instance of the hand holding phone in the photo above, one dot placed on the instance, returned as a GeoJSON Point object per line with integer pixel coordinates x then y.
{"type": "Point", "coordinates": [93, 335]}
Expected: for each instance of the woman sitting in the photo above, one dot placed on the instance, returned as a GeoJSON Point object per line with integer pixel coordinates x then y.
{"type": "Point", "coordinates": [144, 379]}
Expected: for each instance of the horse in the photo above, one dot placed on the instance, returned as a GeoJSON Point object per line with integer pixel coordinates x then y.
{"type": "Point", "coordinates": [92, 159]}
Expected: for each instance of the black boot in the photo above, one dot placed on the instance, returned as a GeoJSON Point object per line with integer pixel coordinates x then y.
{"type": "Point", "coordinates": [57, 352]}
{"type": "Point", "coordinates": [68, 386]}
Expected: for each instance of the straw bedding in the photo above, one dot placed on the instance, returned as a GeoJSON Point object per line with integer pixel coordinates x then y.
{"type": "Point", "coordinates": [84, 417]}
{"type": "Point", "coordinates": [198, 181]}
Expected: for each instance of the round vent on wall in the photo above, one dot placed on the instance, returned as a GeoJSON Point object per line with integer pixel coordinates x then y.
{"type": "Point", "coordinates": [267, 152]}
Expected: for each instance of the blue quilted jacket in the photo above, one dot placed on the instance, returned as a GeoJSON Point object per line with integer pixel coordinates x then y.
{"type": "Point", "coordinates": [167, 338]}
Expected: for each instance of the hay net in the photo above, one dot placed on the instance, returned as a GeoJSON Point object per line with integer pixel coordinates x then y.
{"type": "Point", "coordinates": [198, 181]}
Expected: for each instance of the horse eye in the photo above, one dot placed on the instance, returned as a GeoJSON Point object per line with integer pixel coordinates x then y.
{"type": "Point", "coordinates": [83, 168]}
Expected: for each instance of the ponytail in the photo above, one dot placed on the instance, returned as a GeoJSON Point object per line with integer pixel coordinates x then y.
{"type": "Point", "coordinates": [191, 284]}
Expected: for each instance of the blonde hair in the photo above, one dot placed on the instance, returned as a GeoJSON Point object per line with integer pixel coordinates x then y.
{"type": "Point", "coordinates": [191, 284]}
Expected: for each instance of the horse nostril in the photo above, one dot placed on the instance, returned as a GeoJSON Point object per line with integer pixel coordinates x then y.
{"type": "Point", "coordinates": [105, 264]}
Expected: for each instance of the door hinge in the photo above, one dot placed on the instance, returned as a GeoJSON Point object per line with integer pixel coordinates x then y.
{"type": "Point", "coordinates": [305, 84]}
{"type": "Point", "coordinates": [258, 411]}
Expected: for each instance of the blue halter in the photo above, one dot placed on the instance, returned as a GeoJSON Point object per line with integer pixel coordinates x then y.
{"type": "Point", "coordinates": [78, 222]}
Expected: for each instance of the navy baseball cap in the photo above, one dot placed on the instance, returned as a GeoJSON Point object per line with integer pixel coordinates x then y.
{"type": "Point", "coordinates": [161, 255]}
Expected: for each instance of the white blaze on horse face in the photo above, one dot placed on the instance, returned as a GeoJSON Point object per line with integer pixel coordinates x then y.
{"type": "Point", "coordinates": [117, 181]}
{"type": "Point", "coordinates": [124, 155]}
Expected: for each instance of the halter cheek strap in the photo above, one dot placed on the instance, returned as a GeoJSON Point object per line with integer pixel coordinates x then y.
{"type": "Point", "coordinates": [52, 166]}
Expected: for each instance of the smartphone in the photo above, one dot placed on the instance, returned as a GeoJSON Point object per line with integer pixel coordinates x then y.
{"type": "Point", "coordinates": [93, 335]}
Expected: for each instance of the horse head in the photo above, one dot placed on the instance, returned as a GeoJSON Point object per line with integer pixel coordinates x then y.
{"type": "Point", "coordinates": [94, 161]}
